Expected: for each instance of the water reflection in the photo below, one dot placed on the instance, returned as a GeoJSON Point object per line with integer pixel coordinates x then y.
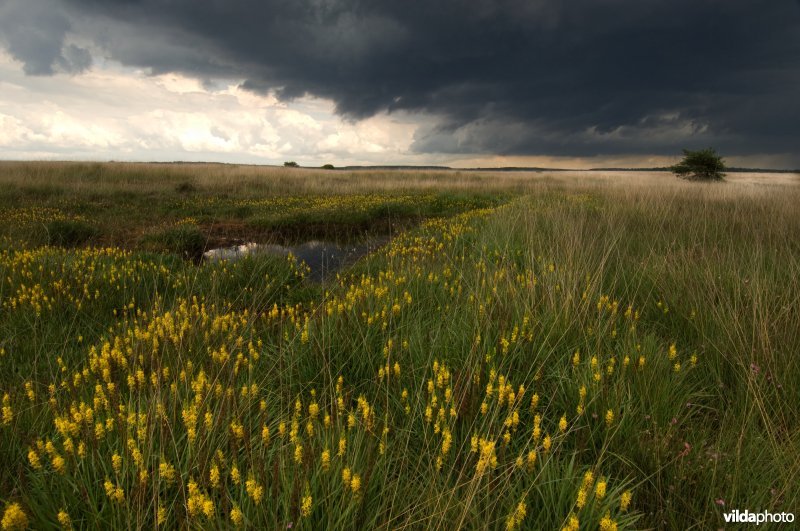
{"type": "Point", "coordinates": [323, 258]}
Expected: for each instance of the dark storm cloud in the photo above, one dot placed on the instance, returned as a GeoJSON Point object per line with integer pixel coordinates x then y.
{"type": "Point", "coordinates": [34, 32]}
{"type": "Point", "coordinates": [583, 77]}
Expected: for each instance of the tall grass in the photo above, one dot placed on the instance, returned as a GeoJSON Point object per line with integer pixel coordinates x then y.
{"type": "Point", "coordinates": [586, 355]}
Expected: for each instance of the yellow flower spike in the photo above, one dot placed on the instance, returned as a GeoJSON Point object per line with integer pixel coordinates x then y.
{"type": "Point", "coordinates": [607, 524]}
{"type": "Point", "coordinates": [326, 459]}
{"type": "Point", "coordinates": [625, 500]}
{"type": "Point", "coordinates": [609, 417]}
{"type": "Point", "coordinates": [562, 424]}
{"type": "Point", "coordinates": [346, 476]}
{"type": "Point", "coordinates": [355, 484]}
{"type": "Point", "coordinates": [305, 506]}
{"type": "Point", "coordinates": [531, 460]}
{"type": "Point", "coordinates": [547, 443]}
{"type": "Point", "coordinates": [237, 517]}
{"type": "Point", "coordinates": [33, 458]}
{"type": "Point", "coordinates": [254, 490]}
{"type": "Point", "coordinates": [7, 412]}
{"type": "Point", "coordinates": [600, 489]}
{"type": "Point", "coordinates": [116, 462]}
{"type": "Point", "coordinates": [214, 476]}
{"type": "Point", "coordinates": [573, 524]}
{"type": "Point", "coordinates": [580, 501]}
{"type": "Point", "coordinates": [534, 401]}
{"type": "Point", "coordinates": [14, 517]}
{"type": "Point", "coordinates": [298, 454]}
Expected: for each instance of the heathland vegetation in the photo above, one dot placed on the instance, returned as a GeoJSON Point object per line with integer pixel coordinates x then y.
{"type": "Point", "coordinates": [527, 351]}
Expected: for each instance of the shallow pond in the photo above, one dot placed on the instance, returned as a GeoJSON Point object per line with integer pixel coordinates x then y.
{"type": "Point", "coordinates": [322, 258]}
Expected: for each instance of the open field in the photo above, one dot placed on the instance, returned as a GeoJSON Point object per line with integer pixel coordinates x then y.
{"type": "Point", "coordinates": [542, 351]}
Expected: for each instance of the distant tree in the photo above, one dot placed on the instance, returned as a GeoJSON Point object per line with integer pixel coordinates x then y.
{"type": "Point", "coordinates": [701, 165]}
{"type": "Point", "coordinates": [291, 164]}
{"type": "Point", "coordinates": [328, 167]}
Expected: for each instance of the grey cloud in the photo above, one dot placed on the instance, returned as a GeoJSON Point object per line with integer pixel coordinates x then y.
{"type": "Point", "coordinates": [516, 77]}
{"type": "Point", "coordinates": [34, 33]}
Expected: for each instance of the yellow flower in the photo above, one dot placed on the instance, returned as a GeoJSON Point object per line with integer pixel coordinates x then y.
{"type": "Point", "coordinates": [214, 476]}
{"type": "Point", "coordinates": [116, 462]}
{"type": "Point", "coordinates": [298, 454]}
{"type": "Point", "coordinates": [326, 459]}
{"type": "Point", "coordinates": [573, 524]}
{"type": "Point", "coordinates": [580, 501]}
{"type": "Point", "coordinates": [59, 464]}
{"type": "Point", "coordinates": [531, 460]}
{"type": "Point", "coordinates": [609, 417]}
{"type": "Point", "coordinates": [600, 489]}
{"type": "Point", "coordinates": [607, 524]}
{"type": "Point", "coordinates": [167, 472]}
{"type": "Point", "coordinates": [562, 424]}
{"type": "Point", "coordinates": [14, 517]}
{"type": "Point", "coordinates": [346, 475]}
{"type": "Point", "coordinates": [547, 443]}
{"type": "Point", "coordinates": [305, 507]}
{"type": "Point", "coordinates": [534, 401]}
{"type": "Point", "coordinates": [237, 517]}
{"type": "Point", "coordinates": [33, 457]}
{"type": "Point", "coordinates": [254, 490]}
{"type": "Point", "coordinates": [625, 500]}
{"type": "Point", "coordinates": [64, 520]}
{"type": "Point", "coordinates": [8, 413]}
{"type": "Point", "coordinates": [355, 484]}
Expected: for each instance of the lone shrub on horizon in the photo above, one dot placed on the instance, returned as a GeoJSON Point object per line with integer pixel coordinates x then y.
{"type": "Point", "coordinates": [701, 165]}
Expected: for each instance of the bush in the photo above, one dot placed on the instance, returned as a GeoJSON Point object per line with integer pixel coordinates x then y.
{"type": "Point", "coordinates": [328, 167]}
{"type": "Point", "coordinates": [291, 164]}
{"type": "Point", "coordinates": [69, 233]}
{"type": "Point", "coordinates": [702, 165]}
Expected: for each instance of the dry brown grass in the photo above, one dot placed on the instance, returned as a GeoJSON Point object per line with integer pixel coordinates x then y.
{"type": "Point", "coordinates": [247, 180]}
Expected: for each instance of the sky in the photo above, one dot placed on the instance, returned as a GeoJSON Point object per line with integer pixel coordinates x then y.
{"type": "Point", "coordinates": [464, 83]}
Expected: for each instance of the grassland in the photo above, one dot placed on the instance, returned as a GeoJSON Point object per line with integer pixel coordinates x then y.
{"type": "Point", "coordinates": [529, 350]}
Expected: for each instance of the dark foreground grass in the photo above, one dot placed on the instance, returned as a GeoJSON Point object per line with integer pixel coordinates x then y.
{"type": "Point", "coordinates": [581, 357]}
